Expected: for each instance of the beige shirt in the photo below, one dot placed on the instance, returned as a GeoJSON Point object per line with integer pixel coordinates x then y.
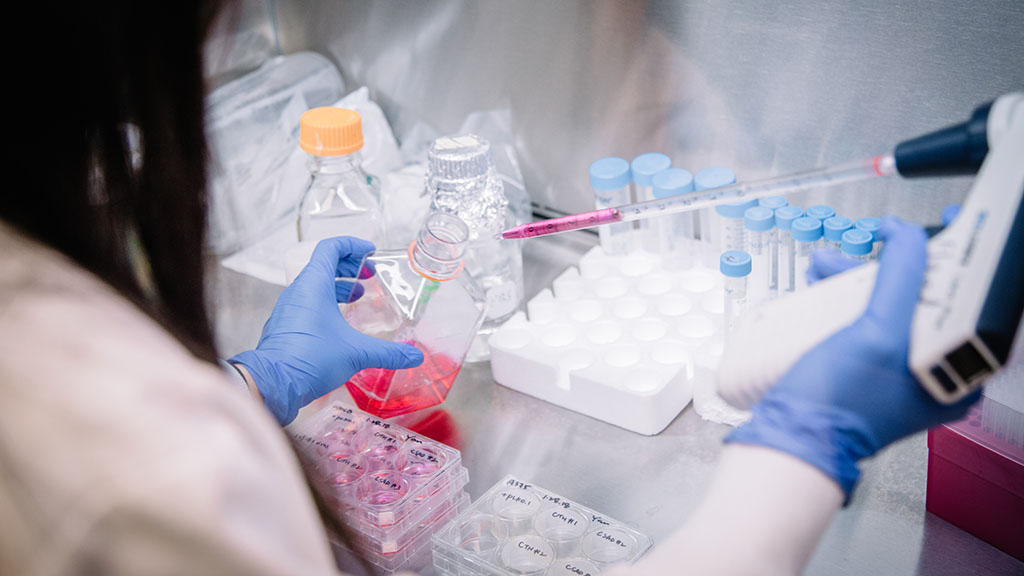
{"type": "Point", "coordinates": [120, 453]}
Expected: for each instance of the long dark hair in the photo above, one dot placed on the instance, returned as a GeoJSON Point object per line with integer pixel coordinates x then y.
{"type": "Point", "coordinates": [117, 153]}
{"type": "Point", "coordinates": [114, 143]}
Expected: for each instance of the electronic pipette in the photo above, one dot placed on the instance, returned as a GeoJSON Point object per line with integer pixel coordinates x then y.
{"type": "Point", "coordinates": [957, 150]}
{"type": "Point", "coordinates": [970, 308]}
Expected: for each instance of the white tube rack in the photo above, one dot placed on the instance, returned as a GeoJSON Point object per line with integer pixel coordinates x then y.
{"type": "Point", "coordinates": [618, 339]}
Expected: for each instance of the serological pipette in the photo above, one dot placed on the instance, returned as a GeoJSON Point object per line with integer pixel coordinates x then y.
{"type": "Point", "coordinates": [881, 165]}
{"type": "Point", "coordinates": [953, 151]}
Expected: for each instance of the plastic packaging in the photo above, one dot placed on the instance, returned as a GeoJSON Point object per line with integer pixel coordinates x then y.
{"type": "Point", "coordinates": [252, 125]}
{"type": "Point", "coordinates": [609, 177]}
{"type": "Point", "coordinates": [462, 181]}
{"type": "Point", "coordinates": [419, 296]}
{"type": "Point", "coordinates": [760, 225]}
{"type": "Point", "coordinates": [675, 232]}
{"type": "Point", "coordinates": [833, 229]}
{"type": "Point", "coordinates": [340, 199]}
{"type": "Point", "coordinates": [394, 488]}
{"type": "Point", "coordinates": [872, 225]}
{"type": "Point", "coordinates": [520, 528]}
{"type": "Point", "coordinates": [735, 267]}
{"type": "Point", "coordinates": [857, 244]}
{"type": "Point", "coordinates": [784, 218]}
{"type": "Point", "coordinates": [643, 169]}
{"type": "Point", "coordinates": [806, 239]}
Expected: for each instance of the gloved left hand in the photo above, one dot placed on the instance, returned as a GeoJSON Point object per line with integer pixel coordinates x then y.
{"type": "Point", "coordinates": [854, 393]}
{"type": "Point", "coordinates": [307, 349]}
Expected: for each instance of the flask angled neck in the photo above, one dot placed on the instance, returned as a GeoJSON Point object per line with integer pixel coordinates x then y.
{"type": "Point", "coordinates": [440, 246]}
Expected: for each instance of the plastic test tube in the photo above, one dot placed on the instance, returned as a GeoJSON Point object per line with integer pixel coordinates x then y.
{"type": "Point", "coordinates": [675, 231]}
{"type": "Point", "coordinates": [784, 218]}
{"type": "Point", "coordinates": [774, 203]}
{"type": "Point", "coordinates": [821, 212]}
{"type": "Point", "coordinates": [609, 177]}
{"type": "Point", "coordinates": [833, 229]}
{"type": "Point", "coordinates": [735, 266]}
{"type": "Point", "coordinates": [872, 225]}
{"type": "Point", "coordinates": [760, 225]}
{"type": "Point", "coordinates": [733, 235]}
{"type": "Point", "coordinates": [857, 244]}
{"type": "Point", "coordinates": [806, 239]}
{"type": "Point", "coordinates": [710, 233]}
{"type": "Point", "coordinates": [643, 168]}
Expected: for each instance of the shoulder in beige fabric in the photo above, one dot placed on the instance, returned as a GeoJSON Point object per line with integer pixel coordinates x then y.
{"type": "Point", "coordinates": [122, 454]}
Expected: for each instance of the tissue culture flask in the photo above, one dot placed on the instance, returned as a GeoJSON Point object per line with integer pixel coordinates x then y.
{"type": "Point", "coordinates": [423, 297]}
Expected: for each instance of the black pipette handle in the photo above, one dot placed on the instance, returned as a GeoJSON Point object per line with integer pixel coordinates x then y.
{"type": "Point", "coordinates": [954, 151]}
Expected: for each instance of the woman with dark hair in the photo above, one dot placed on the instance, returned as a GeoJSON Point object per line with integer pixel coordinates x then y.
{"type": "Point", "coordinates": [124, 447]}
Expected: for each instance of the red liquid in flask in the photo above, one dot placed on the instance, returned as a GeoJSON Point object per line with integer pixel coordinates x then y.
{"type": "Point", "coordinates": [388, 393]}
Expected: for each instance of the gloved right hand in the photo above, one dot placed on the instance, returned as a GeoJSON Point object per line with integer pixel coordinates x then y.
{"type": "Point", "coordinates": [854, 393]}
{"type": "Point", "coordinates": [307, 349]}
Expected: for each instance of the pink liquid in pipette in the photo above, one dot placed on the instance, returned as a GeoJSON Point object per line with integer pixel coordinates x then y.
{"type": "Point", "coordinates": [563, 224]}
{"type": "Point", "coordinates": [388, 393]}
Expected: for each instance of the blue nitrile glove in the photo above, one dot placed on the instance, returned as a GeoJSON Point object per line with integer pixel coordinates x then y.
{"type": "Point", "coordinates": [307, 349]}
{"type": "Point", "coordinates": [853, 394]}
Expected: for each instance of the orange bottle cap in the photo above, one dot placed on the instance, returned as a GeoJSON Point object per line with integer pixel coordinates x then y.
{"type": "Point", "coordinates": [330, 131]}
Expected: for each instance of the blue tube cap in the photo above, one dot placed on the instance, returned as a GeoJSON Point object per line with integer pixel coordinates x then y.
{"type": "Point", "coordinates": [713, 177]}
{"type": "Point", "coordinates": [785, 216]}
{"type": "Point", "coordinates": [856, 242]}
{"type": "Point", "coordinates": [716, 177]}
{"type": "Point", "coordinates": [806, 229]}
{"type": "Point", "coordinates": [672, 182]}
{"type": "Point", "coordinates": [645, 166]}
{"type": "Point", "coordinates": [611, 173]}
{"type": "Point", "coordinates": [736, 210]}
{"type": "Point", "coordinates": [870, 224]}
{"type": "Point", "coordinates": [735, 263]}
{"type": "Point", "coordinates": [835, 226]}
{"type": "Point", "coordinates": [773, 202]}
{"type": "Point", "coordinates": [821, 212]}
{"type": "Point", "coordinates": [759, 219]}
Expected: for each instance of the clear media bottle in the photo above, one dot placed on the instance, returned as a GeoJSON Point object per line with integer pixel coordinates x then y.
{"type": "Point", "coordinates": [806, 239]}
{"type": "Point", "coordinates": [857, 244]}
{"type": "Point", "coordinates": [420, 296]}
{"type": "Point", "coordinates": [462, 180]}
{"type": "Point", "coordinates": [609, 177]}
{"type": "Point", "coordinates": [675, 231]}
{"type": "Point", "coordinates": [735, 267]}
{"type": "Point", "coordinates": [784, 218]}
{"type": "Point", "coordinates": [871, 225]}
{"type": "Point", "coordinates": [340, 198]}
{"type": "Point", "coordinates": [643, 168]}
{"type": "Point", "coordinates": [832, 230]}
{"type": "Point", "coordinates": [821, 212]}
{"type": "Point", "coordinates": [760, 225]}
{"type": "Point", "coordinates": [773, 203]}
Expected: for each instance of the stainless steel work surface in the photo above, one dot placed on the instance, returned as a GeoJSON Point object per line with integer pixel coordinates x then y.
{"type": "Point", "coordinates": [653, 483]}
